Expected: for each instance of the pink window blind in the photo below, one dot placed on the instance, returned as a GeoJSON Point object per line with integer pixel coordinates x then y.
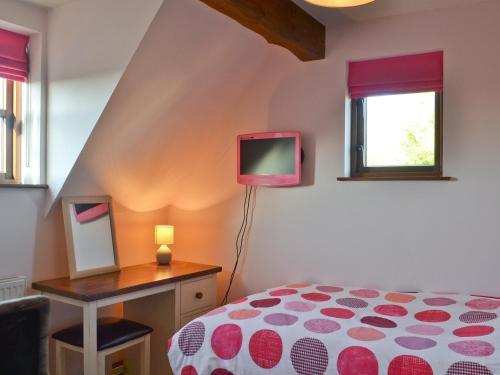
{"type": "Point", "coordinates": [13, 56]}
{"type": "Point", "coordinates": [396, 75]}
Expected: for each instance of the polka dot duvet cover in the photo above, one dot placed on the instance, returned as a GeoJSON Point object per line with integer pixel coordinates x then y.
{"type": "Point", "coordinates": [321, 329]}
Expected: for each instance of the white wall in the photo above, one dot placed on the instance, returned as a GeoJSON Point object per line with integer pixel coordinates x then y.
{"type": "Point", "coordinates": [90, 44]}
{"type": "Point", "coordinates": [28, 237]}
{"type": "Point", "coordinates": [33, 243]}
{"type": "Point", "coordinates": [164, 148]}
{"type": "Point", "coordinates": [216, 79]}
{"type": "Point", "coordinates": [91, 49]}
{"type": "Point", "coordinates": [31, 20]}
{"type": "Point", "coordinates": [403, 235]}
{"type": "Point", "coordinates": [141, 152]}
{"type": "Point", "coordinates": [22, 228]}
{"type": "Point", "coordinates": [23, 15]}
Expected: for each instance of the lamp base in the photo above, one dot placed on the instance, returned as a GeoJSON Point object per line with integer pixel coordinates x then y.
{"type": "Point", "coordinates": [164, 255]}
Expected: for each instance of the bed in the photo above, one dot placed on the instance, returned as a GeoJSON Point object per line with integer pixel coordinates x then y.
{"type": "Point", "coordinates": [322, 329]}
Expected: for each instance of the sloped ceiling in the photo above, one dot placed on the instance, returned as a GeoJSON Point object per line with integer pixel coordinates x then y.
{"type": "Point", "coordinates": [167, 138]}
{"type": "Point", "coordinates": [169, 131]}
{"type": "Point", "coordinates": [195, 69]}
{"type": "Point", "coordinates": [90, 43]}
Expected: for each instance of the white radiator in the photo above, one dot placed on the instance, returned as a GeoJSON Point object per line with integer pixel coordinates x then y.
{"type": "Point", "coordinates": [12, 287]}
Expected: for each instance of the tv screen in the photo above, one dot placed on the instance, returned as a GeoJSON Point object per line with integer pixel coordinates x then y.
{"type": "Point", "coordinates": [269, 159]}
{"type": "Point", "coordinates": [267, 156]}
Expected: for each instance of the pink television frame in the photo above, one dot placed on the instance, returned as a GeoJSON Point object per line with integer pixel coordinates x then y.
{"type": "Point", "coordinates": [275, 179]}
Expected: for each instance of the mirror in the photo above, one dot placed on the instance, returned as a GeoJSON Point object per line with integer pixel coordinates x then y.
{"type": "Point", "coordinates": [90, 240]}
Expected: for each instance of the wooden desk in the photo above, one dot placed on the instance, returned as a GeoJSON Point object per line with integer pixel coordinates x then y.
{"type": "Point", "coordinates": [163, 297]}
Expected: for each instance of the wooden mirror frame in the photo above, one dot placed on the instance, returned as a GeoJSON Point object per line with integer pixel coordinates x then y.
{"type": "Point", "coordinates": [66, 207]}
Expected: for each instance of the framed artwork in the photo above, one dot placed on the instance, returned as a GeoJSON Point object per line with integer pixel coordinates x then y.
{"type": "Point", "coordinates": [90, 236]}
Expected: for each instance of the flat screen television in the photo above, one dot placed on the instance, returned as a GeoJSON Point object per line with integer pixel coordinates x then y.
{"type": "Point", "coordinates": [269, 159]}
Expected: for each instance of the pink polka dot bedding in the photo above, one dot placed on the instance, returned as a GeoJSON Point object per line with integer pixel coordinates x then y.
{"type": "Point", "coordinates": [322, 329]}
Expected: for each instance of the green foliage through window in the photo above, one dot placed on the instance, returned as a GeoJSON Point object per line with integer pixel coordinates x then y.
{"type": "Point", "coordinates": [400, 130]}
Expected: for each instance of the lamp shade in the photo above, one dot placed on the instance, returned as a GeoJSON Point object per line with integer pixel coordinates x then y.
{"type": "Point", "coordinates": [164, 234]}
{"type": "Point", "coordinates": [339, 3]}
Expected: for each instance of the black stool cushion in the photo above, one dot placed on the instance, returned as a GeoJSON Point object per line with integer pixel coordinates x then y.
{"type": "Point", "coordinates": [111, 332]}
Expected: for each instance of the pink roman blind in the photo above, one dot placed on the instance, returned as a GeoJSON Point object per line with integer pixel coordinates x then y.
{"type": "Point", "coordinates": [13, 56]}
{"type": "Point", "coordinates": [396, 75]}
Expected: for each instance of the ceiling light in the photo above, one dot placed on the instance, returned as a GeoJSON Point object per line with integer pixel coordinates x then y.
{"type": "Point", "coordinates": [339, 3]}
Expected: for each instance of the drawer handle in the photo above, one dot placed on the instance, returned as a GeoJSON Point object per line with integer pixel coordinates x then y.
{"type": "Point", "coordinates": [199, 295]}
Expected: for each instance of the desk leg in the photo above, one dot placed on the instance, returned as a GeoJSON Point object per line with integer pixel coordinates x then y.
{"type": "Point", "coordinates": [177, 308]}
{"type": "Point", "coordinates": [90, 338]}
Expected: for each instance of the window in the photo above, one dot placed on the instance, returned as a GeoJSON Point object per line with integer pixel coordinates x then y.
{"type": "Point", "coordinates": [397, 135]}
{"type": "Point", "coordinates": [20, 108]}
{"type": "Point", "coordinates": [396, 117]}
{"type": "Point", "coordinates": [10, 130]}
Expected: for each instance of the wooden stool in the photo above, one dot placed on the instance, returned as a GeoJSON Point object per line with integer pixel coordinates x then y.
{"type": "Point", "coordinates": [113, 335]}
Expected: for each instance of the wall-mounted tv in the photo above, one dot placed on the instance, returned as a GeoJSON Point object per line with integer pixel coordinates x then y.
{"type": "Point", "coordinates": [269, 159]}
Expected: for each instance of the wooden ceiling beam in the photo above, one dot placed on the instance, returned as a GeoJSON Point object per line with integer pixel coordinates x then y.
{"type": "Point", "coordinates": [280, 22]}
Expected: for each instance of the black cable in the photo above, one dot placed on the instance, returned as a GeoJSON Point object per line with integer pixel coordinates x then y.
{"type": "Point", "coordinates": [224, 300]}
{"type": "Point", "coordinates": [245, 220]}
{"type": "Point", "coordinates": [239, 245]}
{"type": "Point", "coordinates": [240, 238]}
{"type": "Point", "coordinates": [244, 223]}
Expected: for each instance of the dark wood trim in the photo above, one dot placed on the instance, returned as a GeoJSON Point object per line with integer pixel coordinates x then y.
{"type": "Point", "coordinates": [396, 178]}
{"type": "Point", "coordinates": [10, 122]}
{"type": "Point", "coordinates": [15, 185]}
{"type": "Point", "coordinates": [438, 147]}
{"type": "Point", "coordinates": [280, 22]}
{"type": "Point", "coordinates": [400, 172]}
{"type": "Point", "coordinates": [358, 148]}
{"type": "Point", "coordinates": [127, 280]}
{"type": "Point", "coordinates": [358, 112]}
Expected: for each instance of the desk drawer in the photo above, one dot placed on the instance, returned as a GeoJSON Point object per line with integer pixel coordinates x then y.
{"type": "Point", "coordinates": [198, 294]}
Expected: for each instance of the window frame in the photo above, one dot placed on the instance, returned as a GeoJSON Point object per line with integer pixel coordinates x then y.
{"type": "Point", "coordinates": [12, 147]}
{"type": "Point", "coordinates": [30, 170]}
{"type": "Point", "coordinates": [358, 147]}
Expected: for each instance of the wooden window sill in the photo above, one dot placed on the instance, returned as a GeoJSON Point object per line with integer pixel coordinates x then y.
{"type": "Point", "coordinates": [12, 185]}
{"type": "Point", "coordinates": [396, 178]}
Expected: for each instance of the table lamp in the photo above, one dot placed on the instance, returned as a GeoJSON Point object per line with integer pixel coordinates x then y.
{"type": "Point", "coordinates": [164, 236]}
